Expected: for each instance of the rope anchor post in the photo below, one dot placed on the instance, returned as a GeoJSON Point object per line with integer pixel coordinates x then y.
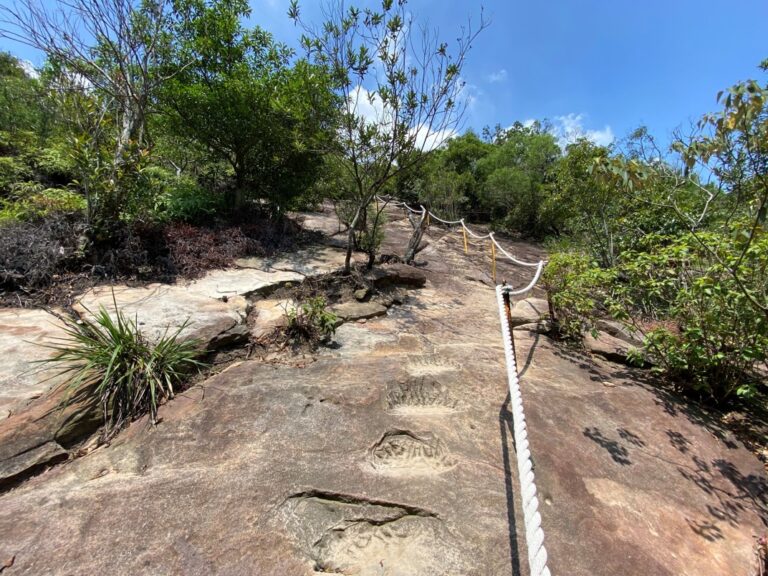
{"type": "Point", "coordinates": [464, 232]}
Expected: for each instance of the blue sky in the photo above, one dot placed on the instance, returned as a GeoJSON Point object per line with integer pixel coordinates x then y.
{"type": "Point", "coordinates": [606, 66]}
{"type": "Point", "coordinates": [600, 66]}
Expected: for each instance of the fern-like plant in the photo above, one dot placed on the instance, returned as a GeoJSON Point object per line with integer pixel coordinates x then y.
{"type": "Point", "coordinates": [130, 375]}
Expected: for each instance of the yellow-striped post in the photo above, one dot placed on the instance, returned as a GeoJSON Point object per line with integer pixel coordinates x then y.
{"type": "Point", "coordinates": [464, 231]}
{"type": "Point", "coordinates": [493, 260]}
{"type": "Point", "coordinates": [427, 219]}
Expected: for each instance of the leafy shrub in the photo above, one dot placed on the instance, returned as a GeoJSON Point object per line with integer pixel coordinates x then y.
{"type": "Point", "coordinates": [182, 199]}
{"type": "Point", "coordinates": [32, 201]}
{"type": "Point", "coordinates": [130, 375]}
{"type": "Point", "coordinates": [717, 336]}
{"type": "Point", "coordinates": [55, 164]}
{"type": "Point", "coordinates": [53, 200]}
{"type": "Point", "coordinates": [311, 321]}
{"type": "Point", "coordinates": [577, 290]}
{"type": "Point", "coordinates": [17, 142]}
{"type": "Point", "coordinates": [369, 239]}
{"type": "Point", "coordinates": [700, 328]}
{"type": "Point", "coordinates": [12, 170]}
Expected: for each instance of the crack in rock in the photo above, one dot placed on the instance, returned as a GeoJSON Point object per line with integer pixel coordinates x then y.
{"type": "Point", "coordinates": [346, 534]}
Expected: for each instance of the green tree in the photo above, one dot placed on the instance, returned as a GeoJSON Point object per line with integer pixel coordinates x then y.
{"type": "Point", "coordinates": [243, 100]}
{"type": "Point", "coordinates": [111, 52]}
{"type": "Point", "coordinates": [517, 175]}
{"type": "Point", "coordinates": [399, 89]}
{"type": "Point", "coordinates": [20, 97]}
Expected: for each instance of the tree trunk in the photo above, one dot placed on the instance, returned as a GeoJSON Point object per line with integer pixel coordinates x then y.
{"type": "Point", "coordinates": [351, 240]}
{"type": "Point", "coordinates": [374, 231]}
{"type": "Point", "coordinates": [413, 243]}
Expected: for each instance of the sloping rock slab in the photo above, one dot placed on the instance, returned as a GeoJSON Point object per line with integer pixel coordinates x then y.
{"type": "Point", "coordinates": [36, 436]}
{"type": "Point", "coordinates": [618, 330]}
{"type": "Point", "coordinates": [528, 311]}
{"type": "Point", "coordinates": [540, 327]}
{"type": "Point", "coordinates": [311, 261]}
{"type": "Point", "coordinates": [349, 311]}
{"type": "Point", "coordinates": [162, 308]}
{"type": "Point", "coordinates": [359, 467]}
{"type": "Point", "coordinates": [220, 284]}
{"type": "Point", "coordinates": [23, 336]}
{"type": "Point", "coordinates": [609, 347]}
{"type": "Point", "coordinates": [31, 460]}
{"type": "Point", "coordinates": [632, 480]}
{"type": "Point", "coordinates": [270, 314]}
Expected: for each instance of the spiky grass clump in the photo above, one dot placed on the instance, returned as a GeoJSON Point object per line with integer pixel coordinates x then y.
{"type": "Point", "coordinates": [130, 375]}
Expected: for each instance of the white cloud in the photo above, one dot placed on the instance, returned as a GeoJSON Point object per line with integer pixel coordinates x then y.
{"type": "Point", "coordinates": [569, 128]}
{"type": "Point", "coordinates": [29, 69]}
{"type": "Point", "coordinates": [429, 140]}
{"type": "Point", "coordinates": [498, 76]}
{"type": "Point", "coordinates": [369, 107]}
{"type": "Point", "coordinates": [366, 105]}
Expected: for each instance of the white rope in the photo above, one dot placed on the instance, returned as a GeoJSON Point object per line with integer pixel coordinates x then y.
{"type": "Point", "coordinates": [472, 233]}
{"type": "Point", "coordinates": [531, 284]}
{"type": "Point", "coordinates": [538, 265]}
{"type": "Point", "coordinates": [515, 260]}
{"type": "Point", "coordinates": [414, 211]}
{"type": "Point", "coordinates": [449, 222]}
{"type": "Point", "coordinates": [534, 535]}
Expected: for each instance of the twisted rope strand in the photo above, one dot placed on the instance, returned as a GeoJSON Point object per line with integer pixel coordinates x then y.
{"type": "Point", "coordinates": [534, 535]}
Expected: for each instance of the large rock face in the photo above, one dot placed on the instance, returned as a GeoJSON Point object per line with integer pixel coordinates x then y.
{"type": "Point", "coordinates": [391, 453]}
{"type": "Point", "coordinates": [306, 262]}
{"type": "Point", "coordinates": [641, 481]}
{"type": "Point", "coordinates": [382, 455]}
{"type": "Point", "coordinates": [162, 309]}
{"type": "Point", "coordinates": [24, 335]}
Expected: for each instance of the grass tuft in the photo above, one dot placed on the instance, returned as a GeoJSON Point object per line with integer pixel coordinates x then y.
{"type": "Point", "coordinates": [130, 375]}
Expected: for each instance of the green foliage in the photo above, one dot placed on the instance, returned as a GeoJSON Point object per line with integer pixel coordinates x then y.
{"type": "Point", "coordinates": [449, 180]}
{"type": "Point", "coordinates": [311, 321]}
{"type": "Point", "coordinates": [54, 163]}
{"type": "Point", "coordinates": [244, 100]}
{"type": "Point", "coordinates": [180, 198]}
{"type": "Point", "coordinates": [30, 201]}
{"type": "Point", "coordinates": [20, 97]}
{"type": "Point", "coordinates": [699, 326]}
{"type": "Point", "coordinates": [371, 233]}
{"type": "Point", "coordinates": [712, 339]}
{"type": "Point", "coordinates": [578, 292]}
{"type": "Point", "coordinates": [130, 376]}
{"type": "Point", "coordinates": [516, 174]}
{"type": "Point", "coordinates": [12, 170]}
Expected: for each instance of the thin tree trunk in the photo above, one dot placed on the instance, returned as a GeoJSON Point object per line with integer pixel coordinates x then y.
{"type": "Point", "coordinates": [351, 240]}
{"type": "Point", "coordinates": [418, 232]}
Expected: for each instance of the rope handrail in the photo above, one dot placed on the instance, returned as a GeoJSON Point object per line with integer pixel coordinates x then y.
{"type": "Point", "coordinates": [448, 222]}
{"type": "Point", "coordinates": [531, 284]}
{"type": "Point", "coordinates": [512, 258]}
{"type": "Point", "coordinates": [538, 265]}
{"type": "Point", "coordinates": [534, 535]}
